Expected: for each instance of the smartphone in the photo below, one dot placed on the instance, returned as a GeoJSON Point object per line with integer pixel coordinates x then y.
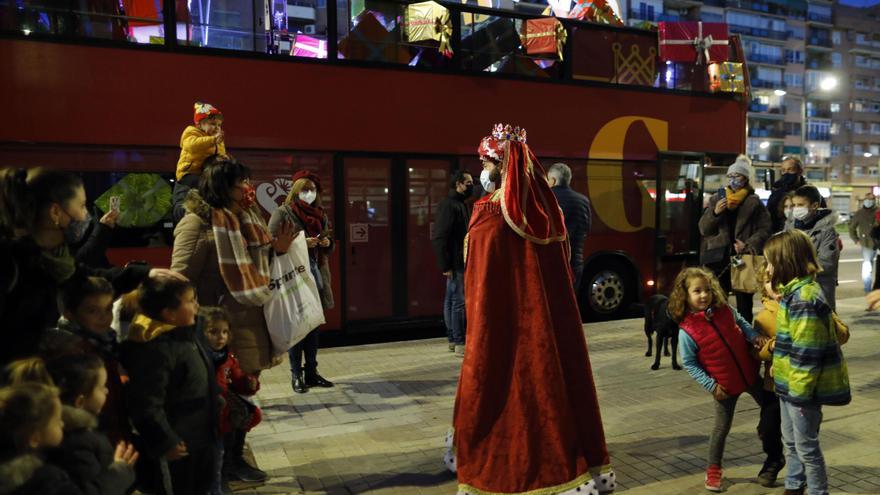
{"type": "Point", "coordinates": [114, 203]}
{"type": "Point", "coordinates": [722, 193]}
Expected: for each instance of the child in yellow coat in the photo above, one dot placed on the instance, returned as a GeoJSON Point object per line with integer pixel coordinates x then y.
{"type": "Point", "coordinates": [198, 142]}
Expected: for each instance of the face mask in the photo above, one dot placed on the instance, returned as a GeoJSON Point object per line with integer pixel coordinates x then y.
{"type": "Point", "coordinates": [249, 196]}
{"type": "Point", "coordinates": [869, 203]}
{"type": "Point", "coordinates": [787, 180]}
{"type": "Point", "coordinates": [737, 183]}
{"type": "Point", "coordinates": [800, 213]}
{"type": "Point", "coordinates": [486, 182]}
{"type": "Point", "coordinates": [787, 212]}
{"type": "Point", "coordinates": [308, 196]}
{"type": "Point", "coordinates": [76, 230]}
{"type": "Point", "coordinates": [468, 191]}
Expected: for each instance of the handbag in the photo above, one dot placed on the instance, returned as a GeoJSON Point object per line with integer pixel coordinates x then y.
{"type": "Point", "coordinates": [744, 272]}
{"type": "Point", "coordinates": [295, 307]}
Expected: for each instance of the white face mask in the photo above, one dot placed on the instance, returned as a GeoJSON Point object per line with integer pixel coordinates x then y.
{"type": "Point", "coordinates": [787, 212]}
{"type": "Point", "coordinates": [869, 203]}
{"type": "Point", "coordinates": [800, 213]}
{"type": "Point", "coordinates": [487, 183]}
{"type": "Point", "coordinates": [308, 196]}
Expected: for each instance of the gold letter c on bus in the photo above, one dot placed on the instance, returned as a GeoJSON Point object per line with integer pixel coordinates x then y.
{"type": "Point", "coordinates": [605, 179]}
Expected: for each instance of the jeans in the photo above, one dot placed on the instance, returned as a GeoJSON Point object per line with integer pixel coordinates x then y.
{"type": "Point", "coordinates": [453, 308]}
{"type": "Point", "coordinates": [309, 347]}
{"type": "Point", "coordinates": [800, 435]}
{"type": "Point", "coordinates": [868, 267]}
{"type": "Point", "coordinates": [578, 272]}
{"type": "Point", "coordinates": [724, 419]}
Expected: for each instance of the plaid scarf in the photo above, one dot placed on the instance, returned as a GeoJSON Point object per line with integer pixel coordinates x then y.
{"type": "Point", "coordinates": [243, 253]}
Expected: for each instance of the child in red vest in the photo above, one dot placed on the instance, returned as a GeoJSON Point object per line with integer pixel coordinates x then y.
{"type": "Point", "coordinates": [237, 415]}
{"type": "Point", "coordinates": [714, 342]}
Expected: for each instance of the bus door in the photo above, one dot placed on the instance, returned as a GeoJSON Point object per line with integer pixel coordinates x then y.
{"type": "Point", "coordinates": [389, 266]}
{"type": "Point", "coordinates": [679, 206]}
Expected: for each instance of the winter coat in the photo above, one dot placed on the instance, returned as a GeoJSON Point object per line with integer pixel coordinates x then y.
{"type": "Point", "coordinates": [195, 256]}
{"type": "Point", "coordinates": [29, 294]}
{"type": "Point", "coordinates": [70, 338]}
{"type": "Point", "coordinates": [860, 225]}
{"type": "Point", "coordinates": [578, 220]}
{"type": "Point", "coordinates": [723, 350]}
{"type": "Point", "coordinates": [87, 456]}
{"type": "Point", "coordinates": [232, 380]}
{"type": "Point", "coordinates": [28, 474]}
{"type": "Point", "coordinates": [821, 230]}
{"type": "Point", "coordinates": [450, 227]}
{"type": "Point", "coordinates": [195, 147]}
{"type": "Point", "coordinates": [752, 226]}
{"type": "Point", "coordinates": [171, 393]}
{"type": "Point", "coordinates": [322, 262]}
{"type": "Point", "coordinates": [808, 367]}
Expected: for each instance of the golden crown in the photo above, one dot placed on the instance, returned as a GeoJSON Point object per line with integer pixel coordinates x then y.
{"type": "Point", "coordinates": [507, 132]}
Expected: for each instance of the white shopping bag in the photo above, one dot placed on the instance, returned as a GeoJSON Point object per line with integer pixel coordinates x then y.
{"type": "Point", "coordinates": [295, 308]}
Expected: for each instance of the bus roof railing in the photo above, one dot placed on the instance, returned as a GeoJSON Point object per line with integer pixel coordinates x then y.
{"type": "Point", "coordinates": [577, 64]}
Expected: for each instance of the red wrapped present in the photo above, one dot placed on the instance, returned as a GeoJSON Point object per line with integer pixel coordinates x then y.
{"type": "Point", "coordinates": [700, 42]}
{"type": "Point", "coordinates": [543, 36]}
{"type": "Point", "coordinates": [595, 11]}
{"type": "Point", "coordinates": [309, 47]}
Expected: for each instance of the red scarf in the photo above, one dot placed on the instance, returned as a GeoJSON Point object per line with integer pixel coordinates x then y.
{"type": "Point", "coordinates": [312, 216]}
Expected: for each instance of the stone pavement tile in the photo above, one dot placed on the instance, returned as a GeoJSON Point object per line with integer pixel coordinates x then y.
{"type": "Point", "coordinates": [380, 430]}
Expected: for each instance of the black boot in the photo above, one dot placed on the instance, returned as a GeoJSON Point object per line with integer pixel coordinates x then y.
{"type": "Point", "coordinates": [299, 384]}
{"type": "Point", "coordinates": [234, 466]}
{"type": "Point", "coordinates": [770, 471]}
{"type": "Point", "coordinates": [313, 379]}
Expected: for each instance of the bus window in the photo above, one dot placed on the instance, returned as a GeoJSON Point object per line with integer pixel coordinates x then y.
{"type": "Point", "coordinates": [368, 247]}
{"type": "Point", "coordinates": [427, 185]}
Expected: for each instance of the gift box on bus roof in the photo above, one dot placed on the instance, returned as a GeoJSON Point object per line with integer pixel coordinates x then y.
{"type": "Point", "coordinates": [543, 37]}
{"type": "Point", "coordinates": [308, 47]}
{"type": "Point", "coordinates": [595, 11]}
{"type": "Point", "coordinates": [694, 42]}
{"type": "Point", "coordinates": [726, 77]}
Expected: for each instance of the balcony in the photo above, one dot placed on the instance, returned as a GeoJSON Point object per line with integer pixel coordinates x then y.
{"type": "Point", "coordinates": [820, 43]}
{"type": "Point", "coordinates": [819, 114]}
{"type": "Point", "coordinates": [824, 65]}
{"type": "Point", "coordinates": [819, 136]}
{"type": "Point", "coordinates": [757, 132]}
{"type": "Point", "coordinates": [763, 83]}
{"type": "Point", "coordinates": [760, 58]}
{"type": "Point", "coordinates": [758, 32]}
{"type": "Point", "coordinates": [819, 18]}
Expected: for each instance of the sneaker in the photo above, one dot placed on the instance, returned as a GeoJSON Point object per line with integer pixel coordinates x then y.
{"type": "Point", "coordinates": [451, 347]}
{"type": "Point", "coordinates": [240, 470]}
{"type": "Point", "coordinates": [459, 350]}
{"type": "Point", "coordinates": [769, 472]}
{"type": "Point", "coordinates": [713, 478]}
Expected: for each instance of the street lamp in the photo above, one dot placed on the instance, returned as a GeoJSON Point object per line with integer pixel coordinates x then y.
{"type": "Point", "coordinates": [828, 83]}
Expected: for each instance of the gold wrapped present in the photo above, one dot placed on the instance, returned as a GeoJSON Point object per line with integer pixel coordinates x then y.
{"type": "Point", "coordinates": [727, 77]}
{"type": "Point", "coordinates": [421, 19]}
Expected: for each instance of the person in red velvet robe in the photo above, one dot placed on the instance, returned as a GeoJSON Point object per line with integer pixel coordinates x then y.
{"type": "Point", "coordinates": [526, 416]}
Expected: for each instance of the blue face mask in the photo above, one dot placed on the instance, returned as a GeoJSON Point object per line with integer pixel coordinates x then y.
{"type": "Point", "coordinates": [737, 183]}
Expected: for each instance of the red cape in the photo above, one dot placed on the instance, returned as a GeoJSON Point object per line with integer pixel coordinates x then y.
{"type": "Point", "coordinates": [526, 414]}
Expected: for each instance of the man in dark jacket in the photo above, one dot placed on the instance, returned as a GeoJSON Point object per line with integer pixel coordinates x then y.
{"type": "Point", "coordinates": [861, 224]}
{"type": "Point", "coordinates": [578, 216]}
{"type": "Point", "coordinates": [792, 178]}
{"type": "Point", "coordinates": [450, 227]}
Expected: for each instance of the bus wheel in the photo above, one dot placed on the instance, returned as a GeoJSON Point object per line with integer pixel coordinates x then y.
{"type": "Point", "coordinates": [606, 289]}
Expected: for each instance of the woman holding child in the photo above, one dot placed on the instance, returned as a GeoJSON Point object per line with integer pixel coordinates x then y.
{"type": "Point", "coordinates": [221, 214]}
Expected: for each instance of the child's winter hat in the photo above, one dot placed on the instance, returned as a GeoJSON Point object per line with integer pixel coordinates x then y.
{"type": "Point", "coordinates": [205, 110]}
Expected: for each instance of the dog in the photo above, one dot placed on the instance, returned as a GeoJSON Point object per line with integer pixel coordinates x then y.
{"type": "Point", "coordinates": [657, 321]}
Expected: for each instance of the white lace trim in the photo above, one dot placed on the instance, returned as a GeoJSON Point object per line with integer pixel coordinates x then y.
{"type": "Point", "coordinates": [601, 483]}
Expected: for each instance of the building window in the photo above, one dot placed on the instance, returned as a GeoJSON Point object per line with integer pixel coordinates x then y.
{"type": "Point", "coordinates": [835, 37]}
{"type": "Point", "coordinates": [836, 60]}
{"type": "Point", "coordinates": [857, 171]}
{"type": "Point", "coordinates": [859, 127]}
{"type": "Point", "coordinates": [794, 56]}
{"type": "Point", "coordinates": [875, 128]}
{"type": "Point", "coordinates": [835, 149]}
{"type": "Point", "coordinates": [857, 149]}
{"type": "Point", "coordinates": [874, 149]}
{"type": "Point", "coordinates": [835, 107]}
{"type": "Point", "coordinates": [794, 80]}
{"type": "Point", "coordinates": [835, 130]}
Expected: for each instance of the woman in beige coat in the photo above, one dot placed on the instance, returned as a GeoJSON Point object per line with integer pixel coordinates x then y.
{"type": "Point", "coordinates": [224, 187]}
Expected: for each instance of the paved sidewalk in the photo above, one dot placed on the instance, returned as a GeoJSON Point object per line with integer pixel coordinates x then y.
{"type": "Point", "coordinates": [381, 429]}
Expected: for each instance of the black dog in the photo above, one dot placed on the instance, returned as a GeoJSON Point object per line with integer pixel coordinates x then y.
{"type": "Point", "coordinates": [657, 320]}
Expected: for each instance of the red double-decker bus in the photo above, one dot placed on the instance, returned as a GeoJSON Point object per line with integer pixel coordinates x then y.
{"type": "Point", "coordinates": [383, 122]}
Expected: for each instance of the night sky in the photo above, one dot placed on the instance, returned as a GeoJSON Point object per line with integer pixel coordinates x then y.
{"type": "Point", "coordinates": [860, 3]}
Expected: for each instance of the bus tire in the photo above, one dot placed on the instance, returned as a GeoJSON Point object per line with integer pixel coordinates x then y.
{"type": "Point", "coordinates": [608, 289]}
